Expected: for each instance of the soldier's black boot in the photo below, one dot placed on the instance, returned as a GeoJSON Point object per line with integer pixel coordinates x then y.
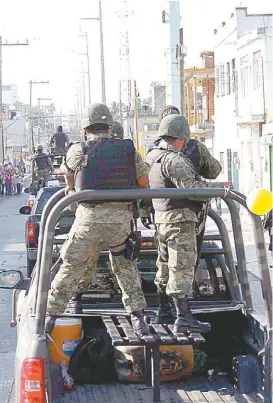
{"type": "Point", "coordinates": [185, 321]}
{"type": "Point", "coordinates": [164, 314]}
{"type": "Point", "coordinates": [74, 306]}
{"type": "Point", "coordinates": [138, 323]}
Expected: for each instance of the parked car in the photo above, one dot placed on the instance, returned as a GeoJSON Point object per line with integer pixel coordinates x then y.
{"type": "Point", "coordinates": [33, 223]}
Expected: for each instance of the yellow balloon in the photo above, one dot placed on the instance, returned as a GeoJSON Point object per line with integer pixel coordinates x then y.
{"type": "Point", "coordinates": [259, 201]}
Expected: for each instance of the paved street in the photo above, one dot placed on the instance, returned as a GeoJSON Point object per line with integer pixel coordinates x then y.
{"type": "Point", "coordinates": [12, 255]}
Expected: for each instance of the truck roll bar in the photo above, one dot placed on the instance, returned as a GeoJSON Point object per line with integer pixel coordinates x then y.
{"type": "Point", "coordinates": [58, 203]}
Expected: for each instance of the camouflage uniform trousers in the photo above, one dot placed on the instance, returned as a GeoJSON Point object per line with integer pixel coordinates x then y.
{"type": "Point", "coordinates": [107, 282]}
{"type": "Point", "coordinates": [81, 252]}
{"type": "Point", "coordinates": [42, 173]}
{"type": "Point", "coordinates": [176, 258]}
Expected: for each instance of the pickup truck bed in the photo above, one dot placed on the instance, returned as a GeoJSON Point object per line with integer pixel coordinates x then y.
{"type": "Point", "coordinates": [195, 390]}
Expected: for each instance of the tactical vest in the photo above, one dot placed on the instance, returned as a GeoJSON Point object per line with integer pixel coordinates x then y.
{"type": "Point", "coordinates": [41, 161]}
{"type": "Point", "coordinates": [158, 180]}
{"type": "Point", "coordinates": [110, 165]}
{"type": "Point", "coordinates": [59, 140]}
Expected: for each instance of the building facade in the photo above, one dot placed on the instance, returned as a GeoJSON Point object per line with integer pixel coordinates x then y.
{"type": "Point", "coordinates": [10, 95]}
{"type": "Point", "coordinates": [242, 98]}
{"type": "Point", "coordinates": [199, 100]}
{"type": "Point", "coordinates": [158, 98]}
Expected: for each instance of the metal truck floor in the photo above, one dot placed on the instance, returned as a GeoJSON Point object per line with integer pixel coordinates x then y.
{"type": "Point", "coordinates": [194, 390]}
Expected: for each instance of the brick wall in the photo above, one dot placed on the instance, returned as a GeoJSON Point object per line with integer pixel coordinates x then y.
{"type": "Point", "coordinates": [208, 59]}
{"type": "Point", "coordinates": [208, 93]}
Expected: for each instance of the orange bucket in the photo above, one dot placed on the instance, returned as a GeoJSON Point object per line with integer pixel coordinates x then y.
{"type": "Point", "coordinates": [66, 336]}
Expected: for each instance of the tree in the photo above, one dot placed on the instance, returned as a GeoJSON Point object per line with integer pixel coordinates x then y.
{"type": "Point", "coordinates": [51, 108]}
{"type": "Point", "coordinates": [114, 108]}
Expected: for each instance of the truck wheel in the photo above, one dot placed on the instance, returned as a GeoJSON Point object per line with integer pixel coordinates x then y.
{"type": "Point", "coordinates": [30, 267]}
{"type": "Point", "coordinates": [246, 374]}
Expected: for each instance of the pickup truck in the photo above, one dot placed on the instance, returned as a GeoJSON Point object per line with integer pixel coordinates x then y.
{"type": "Point", "coordinates": [238, 348]}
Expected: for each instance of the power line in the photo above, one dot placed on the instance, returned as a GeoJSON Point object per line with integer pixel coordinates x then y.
{"type": "Point", "coordinates": [124, 12]}
{"type": "Point", "coordinates": [1, 91]}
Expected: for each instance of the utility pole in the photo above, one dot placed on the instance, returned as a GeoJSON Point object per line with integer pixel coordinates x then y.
{"type": "Point", "coordinates": [120, 102]}
{"type": "Point", "coordinates": [136, 116]}
{"type": "Point", "coordinates": [182, 75]}
{"type": "Point", "coordinates": [88, 67]}
{"type": "Point", "coordinates": [83, 90]}
{"type": "Point", "coordinates": [102, 57]}
{"type": "Point", "coordinates": [30, 106]}
{"type": "Point", "coordinates": [2, 141]}
{"type": "Point", "coordinates": [124, 13]}
{"type": "Point", "coordinates": [1, 107]}
{"type": "Point", "coordinates": [103, 88]}
{"type": "Point", "coordinates": [39, 123]}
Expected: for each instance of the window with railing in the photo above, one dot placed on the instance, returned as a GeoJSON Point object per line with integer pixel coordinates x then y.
{"type": "Point", "coordinates": [233, 74]}
{"type": "Point", "coordinates": [244, 76]}
{"type": "Point", "coordinates": [228, 78]}
{"type": "Point", "coordinates": [223, 85]}
{"type": "Point", "coordinates": [257, 70]}
{"type": "Point", "coordinates": [217, 82]}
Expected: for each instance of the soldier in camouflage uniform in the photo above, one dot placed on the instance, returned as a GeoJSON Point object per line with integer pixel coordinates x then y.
{"type": "Point", "coordinates": [100, 224]}
{"type": "Point", "coordinates": [118, 130]}
{"type": "Point", "coordinates": [175, 219]}
{"type": "Point", "coordinates": [42, 166]}
{"type": "Point", "coordinates": [206, 166]}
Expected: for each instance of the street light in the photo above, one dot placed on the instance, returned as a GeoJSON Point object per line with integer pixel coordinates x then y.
{"type": "Point", "coordinates": [88, 65]}
{"type": "Point", "coordinates": [103, 92]}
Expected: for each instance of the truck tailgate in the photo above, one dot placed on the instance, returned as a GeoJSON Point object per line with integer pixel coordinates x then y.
{"type": "Point", "coordinates": [194, 390]}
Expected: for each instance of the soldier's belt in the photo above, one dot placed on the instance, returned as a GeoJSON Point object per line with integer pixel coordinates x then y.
{"type": "Point", "coordinates": [123, 206]}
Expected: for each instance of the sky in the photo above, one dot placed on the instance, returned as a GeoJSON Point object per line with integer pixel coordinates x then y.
{"type": "Point", "coordinates": [55, 50]}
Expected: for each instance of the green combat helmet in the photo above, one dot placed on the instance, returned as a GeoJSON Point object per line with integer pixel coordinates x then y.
{"type": "Point", "coordinates": [175, 126]}
{"type": "Point", "coordinates": [118, 131]}
{"type": "Point", "coordinates": [97, 114]}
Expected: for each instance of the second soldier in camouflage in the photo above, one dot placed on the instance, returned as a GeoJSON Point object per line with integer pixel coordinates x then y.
{"type": "Point", "coordinates": [175, 219]}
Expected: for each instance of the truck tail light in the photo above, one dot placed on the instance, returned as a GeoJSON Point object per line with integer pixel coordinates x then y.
{"type": "Point", "coordinates": [32, 388]}
{"type": "Point", "coordinates": [31, 232]}
{"type": "Point", "coordinates": [147, 244]}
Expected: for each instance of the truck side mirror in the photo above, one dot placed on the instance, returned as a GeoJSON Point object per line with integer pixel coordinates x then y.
{"type": "Point", "coordinates": [10, 279]}
{"type": "Point", "coordinates": [25, 210]}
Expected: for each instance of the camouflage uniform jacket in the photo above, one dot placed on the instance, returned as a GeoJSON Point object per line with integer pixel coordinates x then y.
{"type": "Point", "coordinates": [208, 166]}
{"type": "Point", "coordinates": [183, 175]}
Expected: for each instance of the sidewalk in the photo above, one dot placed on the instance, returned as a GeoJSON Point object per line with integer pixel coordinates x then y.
{"type": "Point", "coordinates": [248, 237]}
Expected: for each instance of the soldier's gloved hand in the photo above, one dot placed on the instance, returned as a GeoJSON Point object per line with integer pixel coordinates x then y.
{"type": "Point", "coordinates": [68, 190]}
{"type": "Point", "coordinates": [145, 204]}
{"type": "Point", "coordinates": [146, 221]}
{"type": "Point", "coordinates": [144, 208]}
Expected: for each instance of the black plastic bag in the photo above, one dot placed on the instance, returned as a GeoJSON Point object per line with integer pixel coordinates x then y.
{"type": "Point", "coordinates": [92, 361]}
